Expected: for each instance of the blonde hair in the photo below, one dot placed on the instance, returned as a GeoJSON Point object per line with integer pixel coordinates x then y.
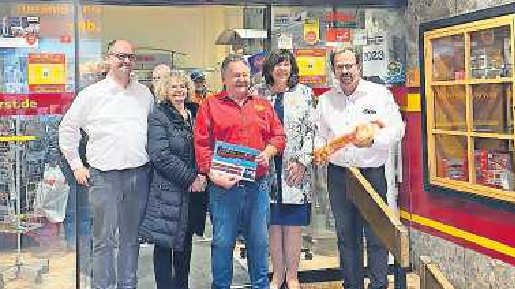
{"type": "Point", "coordinates": [163, 85]}
{"type": "Point", "coordinates": [160, 71]}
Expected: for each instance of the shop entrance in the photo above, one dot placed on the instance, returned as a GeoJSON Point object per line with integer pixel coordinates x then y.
{"type": "Point", "coordinates": [52, 50]}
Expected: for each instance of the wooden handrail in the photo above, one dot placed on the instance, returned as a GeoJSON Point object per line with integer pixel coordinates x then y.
{"type": "Point", "coordinates": [385, 223]}
{"type": "Point", "coordinates": [431, 277]}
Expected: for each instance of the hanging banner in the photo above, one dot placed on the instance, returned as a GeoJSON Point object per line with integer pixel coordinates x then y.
{"type": "Point", "coordinates": [285, 41]}
{"type": "Point", "coordinates": [35, 103]}
{"type": "Point", "coordinates": [342, 20]}
{"type": "Point", "coordinates": [312, 65]}
{"type": "Point", "coordinates": [281, 21]}
{"type": "Point", "coordinates": [338, 35]}
{"type": "Point", "coordinates": [311, 31]}
{"type": "Point", "coordinates": [19, 32]}
{"type": "Point", "coordinates": [46, 72]}
{"type": "Point", "coordinates": [375, 61]}
{"type": "Point", "coordinates": [360, 38]}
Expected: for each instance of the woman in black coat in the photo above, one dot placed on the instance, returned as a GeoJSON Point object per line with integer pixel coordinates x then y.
{"type": "Point", "coordinates": [176, 207]}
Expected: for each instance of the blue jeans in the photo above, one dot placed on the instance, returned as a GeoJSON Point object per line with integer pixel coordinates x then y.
{"type": "Point", "coordinates": [245, 206]}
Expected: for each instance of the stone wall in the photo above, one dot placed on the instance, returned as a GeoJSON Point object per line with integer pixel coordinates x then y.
{"type": "Point", "coordinates": [419, 11]}
{"type": "Point", "coordinates": [465, 268]}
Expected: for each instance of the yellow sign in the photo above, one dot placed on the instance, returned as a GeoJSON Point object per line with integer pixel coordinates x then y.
{"type": "Point", "coordinates": [312, 65]}
{"type": "Point", "coordinates": [46, 74]}
{"type": "Point", "coordinates": [17, 138]}
{"type": "Point", "coordinates": [311, 31]}
{"type": "Point", "coordinates": [46, 70]}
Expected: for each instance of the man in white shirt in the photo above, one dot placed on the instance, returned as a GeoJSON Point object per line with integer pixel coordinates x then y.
{"type": "Point", "coordinates": [357, 105]}
{"type": "Point", "coordinates": [113, 113]}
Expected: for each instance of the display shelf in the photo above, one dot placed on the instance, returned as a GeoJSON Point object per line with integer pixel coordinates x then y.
{"type": "Point", "coordinates": [504, 136]}
{"type": "Point", "coordinates": [449, 132]}
{"type": "Point", "coordinates": [448, 82]}
{"type": "Point", "coordinates": [468, 91]}
{"type": "Point", "coordinates": [491, 81]}
{"type": "Point", "coordinates": [477, 189]}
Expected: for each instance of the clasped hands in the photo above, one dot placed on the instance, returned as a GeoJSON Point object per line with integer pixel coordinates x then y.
{"type": "Point", "coordinates": [199, 184]}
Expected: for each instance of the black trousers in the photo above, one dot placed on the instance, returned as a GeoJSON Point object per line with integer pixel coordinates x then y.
{"type": "Point", "coordinates": [171, 267]}
{"type": "Point", "coordinates": [349, 229]}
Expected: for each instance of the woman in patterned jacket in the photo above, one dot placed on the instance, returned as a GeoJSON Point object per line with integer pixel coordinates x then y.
{"type": "Point", "coordinates": [291, 189]}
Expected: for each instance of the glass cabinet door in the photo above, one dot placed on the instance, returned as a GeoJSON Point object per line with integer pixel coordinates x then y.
{"type": "Point", "coordinates": [492, 108]}
{"type": "Point", "coordinates": [493, 163]}
{"type": "Point", "coordinates": [469, 98]}
{"type": "Point", "coordinates": [451, 157]}
{"type": "Point", "coordinates": [448, 58]}
{"type": "Point", "coordinates": [490, 53]}
{"type": "Point", "coordinates": [449, 107]}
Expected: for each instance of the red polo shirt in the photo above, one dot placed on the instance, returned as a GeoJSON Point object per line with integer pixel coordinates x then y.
{"type": "Point", "coordinates": [253, 125]}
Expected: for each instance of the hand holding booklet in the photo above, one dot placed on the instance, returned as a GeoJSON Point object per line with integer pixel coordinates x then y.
{"type": "Point", "coordinates": [234, 161]}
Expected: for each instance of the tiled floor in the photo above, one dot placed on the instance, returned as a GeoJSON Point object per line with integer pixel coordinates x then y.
{"type": "Point", "coordinates": [62, 270]}
{"type": "Point", "coordinates": [62, 265]}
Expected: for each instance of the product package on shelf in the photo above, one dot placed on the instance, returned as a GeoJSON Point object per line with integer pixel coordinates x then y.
{"type": "Point", "coordinates": [455, 168]}
{"type": "Point", "coordinates": [493, 169]}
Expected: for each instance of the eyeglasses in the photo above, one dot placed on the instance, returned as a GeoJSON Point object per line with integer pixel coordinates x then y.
{"type": "Point", "coordinates": [123, 56]}
{"type": "Point", "coordinates": [344, 66]}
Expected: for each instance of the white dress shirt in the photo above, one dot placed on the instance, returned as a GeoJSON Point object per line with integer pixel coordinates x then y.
{"type": "Point", "coordinates": [338, 114]}
{"type": "Point", "coordinates": [115, 120]}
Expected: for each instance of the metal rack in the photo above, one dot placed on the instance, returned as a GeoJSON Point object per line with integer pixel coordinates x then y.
{"type": "Point", "coordinates": [15, 217]}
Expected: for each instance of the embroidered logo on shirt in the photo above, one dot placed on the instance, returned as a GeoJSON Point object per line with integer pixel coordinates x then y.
{"type": "Point", "coordinates": [369, 111]}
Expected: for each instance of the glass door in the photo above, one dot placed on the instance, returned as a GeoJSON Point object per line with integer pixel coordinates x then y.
{"type": "Point", "coordinates": [37, 84]}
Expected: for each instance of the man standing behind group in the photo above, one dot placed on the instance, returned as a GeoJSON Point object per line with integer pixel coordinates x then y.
{"type": "Point", "coordinates": [113, 113]}
{"type": "Point", "coordinates": [160, 72]}
{"type": "Point", "coordinates": [368, 110]}
{"type": "Point", "coordinates": [238, 118]}
{"type": "Point", "coordinates": [200, 92]}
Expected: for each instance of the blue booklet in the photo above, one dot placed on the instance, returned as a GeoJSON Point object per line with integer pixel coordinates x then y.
{"type": "Point", "coordinates": [234, 160]}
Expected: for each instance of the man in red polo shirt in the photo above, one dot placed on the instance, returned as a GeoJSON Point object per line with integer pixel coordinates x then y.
{"type": "Point", "coordinates": [238, 118]}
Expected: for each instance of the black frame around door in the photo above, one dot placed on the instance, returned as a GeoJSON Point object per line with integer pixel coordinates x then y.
{"type": "Point", "coordinates": [308, 276]}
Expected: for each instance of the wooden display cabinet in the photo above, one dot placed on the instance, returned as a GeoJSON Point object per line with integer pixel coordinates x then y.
{"type": "Point", "coordinates": [467, 92]}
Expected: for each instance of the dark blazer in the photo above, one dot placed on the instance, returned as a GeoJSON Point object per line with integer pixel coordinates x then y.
{"type": "Point", "coordinates": [171, 208]}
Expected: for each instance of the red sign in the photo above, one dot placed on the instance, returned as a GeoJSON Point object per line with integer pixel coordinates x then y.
{"type": "Point", "coordinates": [310, 52]}
{"type": "Point", "coordinates": [46, 88]}
{"type": "Point", "coordinates": [31, 39]}
{"type": "Point", "coordinates": [66, 38]}
{"type": "Point", "coordinates": [35, 104]}
{"type": "Point", "coordinates": [339, 16]}
{"type": "Point", "coordinates": [337, 35]}
{"type": "Point", "coordinates": [310, 37]}
{"type": "Point", "coordinates": [46, 58]}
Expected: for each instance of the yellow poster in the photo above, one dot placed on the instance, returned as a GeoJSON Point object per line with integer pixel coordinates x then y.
{"type": "Point", "coordinates": [311, 31]}
{"type": "Point", "coordinates": [312, 65]}
{"type": "Point", "coordinates": [47, 72]}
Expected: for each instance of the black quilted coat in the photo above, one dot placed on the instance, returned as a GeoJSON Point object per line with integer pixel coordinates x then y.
{"type": "Point", "coordinates": [171, 209]}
